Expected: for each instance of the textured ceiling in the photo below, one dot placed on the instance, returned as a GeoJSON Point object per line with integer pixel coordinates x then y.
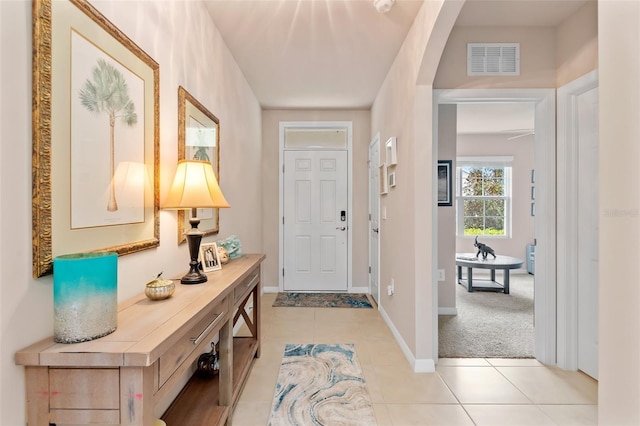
{"type": "Point", "coordinates": [529, 13]}
{"type": "Point", "coordinates": [313, 53]}
{"type": "Point", "coordinates": [336, 53]}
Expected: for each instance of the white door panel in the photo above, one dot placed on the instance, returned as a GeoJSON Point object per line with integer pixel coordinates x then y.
{"type": "Point", "coordinates": [588, 227]}
{"type": "Point", "coordinates": [315, 231]}
{"type": "Point", "coordinates": [374, 213]}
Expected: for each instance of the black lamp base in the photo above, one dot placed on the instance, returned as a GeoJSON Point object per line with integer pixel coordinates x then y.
{"type": "Point", "coordinates": [194, 276]}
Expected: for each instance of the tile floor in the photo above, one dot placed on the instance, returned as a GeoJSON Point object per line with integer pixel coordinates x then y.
{"type": "Point", "coordinates": [461, 391]}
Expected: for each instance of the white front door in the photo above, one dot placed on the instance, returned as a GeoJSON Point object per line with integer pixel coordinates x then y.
{"type": "Point", "coordinates": [588, 259]}
{"type": "Point", "coordinates": [374, 218]}
{"type": "Point", "coordinates": [315, 221]}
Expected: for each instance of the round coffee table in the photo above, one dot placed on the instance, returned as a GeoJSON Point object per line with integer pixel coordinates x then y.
{"type": "Point", "coordinates": [470, 261]}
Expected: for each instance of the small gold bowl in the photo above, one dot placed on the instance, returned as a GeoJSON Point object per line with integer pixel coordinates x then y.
{"type": "Point", "coordinates": [159, 289]}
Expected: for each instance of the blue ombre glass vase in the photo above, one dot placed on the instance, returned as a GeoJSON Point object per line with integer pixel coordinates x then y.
{"type": "Point", "coordinates": [85, 296]}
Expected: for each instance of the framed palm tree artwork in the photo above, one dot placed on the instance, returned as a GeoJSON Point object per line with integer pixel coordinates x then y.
{"type": "Point", "coordinates": [198, 139]}
{"type": "Point", "coordinates": [95, 136]}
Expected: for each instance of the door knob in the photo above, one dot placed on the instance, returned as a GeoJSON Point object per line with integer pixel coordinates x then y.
{"type": "Point", "coordinates": [375, 230]}
{"type": "Point", "coordinates": [341, 228]}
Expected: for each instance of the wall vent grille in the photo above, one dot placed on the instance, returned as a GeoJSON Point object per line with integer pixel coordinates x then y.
{"type": "Point", "coordinates": [493, 59]}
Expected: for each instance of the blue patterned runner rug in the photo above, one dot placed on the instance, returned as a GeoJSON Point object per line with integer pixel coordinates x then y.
{"type": "Point", "coordinates": [322, 300]}
{"type": "Point", "coordinates": [321, 384]}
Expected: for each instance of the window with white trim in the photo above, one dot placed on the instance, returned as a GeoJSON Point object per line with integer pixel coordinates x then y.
{"type": "Point", "coordinates": [483, 196]}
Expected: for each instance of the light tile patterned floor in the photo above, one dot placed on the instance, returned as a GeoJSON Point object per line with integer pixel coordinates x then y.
{"type": "Point", "coordinates": [478, 392]}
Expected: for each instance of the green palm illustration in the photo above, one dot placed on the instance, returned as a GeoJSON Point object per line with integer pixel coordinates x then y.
{"type": "Point", "coordinates": [201, 152]}
{"type": "Point", "coordinates": [108, 93]}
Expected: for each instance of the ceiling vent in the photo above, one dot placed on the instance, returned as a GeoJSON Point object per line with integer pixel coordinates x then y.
{"type": "Point", "coordinates": [493, 59]}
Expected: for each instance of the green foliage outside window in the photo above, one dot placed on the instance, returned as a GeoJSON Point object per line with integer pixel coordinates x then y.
{"type": "Point", "coordinates": [484, 200]}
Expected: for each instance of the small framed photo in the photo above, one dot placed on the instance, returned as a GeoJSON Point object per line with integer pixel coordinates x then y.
{"type": "Point", "coordinates": [391, 152]}
{"type": "Point", "coordinates": [445, 183]}
{"type": "Point", "coordinates": [209, 257]}
{"type": "Point", "coordinates": [392, 179]}
{"type": "Point", "coordinates": [384, 184]}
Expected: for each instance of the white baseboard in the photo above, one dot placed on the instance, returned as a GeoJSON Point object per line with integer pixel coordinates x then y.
{"type": "Point", "coordinates": [424, 366]}
{"type": "Point", "coordinates": [447, 311]}
{"type": "Point", "coordinates": [419, 365]}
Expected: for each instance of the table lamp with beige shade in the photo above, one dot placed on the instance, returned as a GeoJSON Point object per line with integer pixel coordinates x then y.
{"type": "Point", "coordinates": [194, 186]}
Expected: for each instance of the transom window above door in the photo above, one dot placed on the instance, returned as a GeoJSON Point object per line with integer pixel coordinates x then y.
{"type": "Point", "coordinates": [316, 138]}
{"type": "Point", "coordinates": [483, 196]}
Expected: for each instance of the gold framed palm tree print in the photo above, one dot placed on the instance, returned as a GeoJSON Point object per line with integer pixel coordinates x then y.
{"type": "Point", "coordinates": [95, 136]}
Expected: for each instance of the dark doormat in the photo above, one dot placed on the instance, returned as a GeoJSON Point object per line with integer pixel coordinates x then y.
{"type": "Point", "coordinates": [322, 300]}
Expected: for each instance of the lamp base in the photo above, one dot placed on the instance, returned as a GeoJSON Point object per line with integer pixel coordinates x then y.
{"type": "Point", "coordinates": [193, 278]}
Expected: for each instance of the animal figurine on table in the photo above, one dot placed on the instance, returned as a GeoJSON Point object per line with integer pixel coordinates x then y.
{"type": "Point", "coordinates": [484, 249]}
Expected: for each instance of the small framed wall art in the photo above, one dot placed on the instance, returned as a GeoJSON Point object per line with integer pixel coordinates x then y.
{"type": "Point", "coordinates": [384, 184]}
{"type": "Point", "coordinates": [391, 151]}
{"type": "Point", "coordinates": [198, 139]}
{"type": "Point", "coordinates": [445, 183]}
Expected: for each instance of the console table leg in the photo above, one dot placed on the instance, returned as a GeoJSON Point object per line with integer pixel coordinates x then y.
{"type": "Point", "coordinates": [37, 379]}
{"type": "Point", "coordinates": [136, 396]}
{"type": "Point", "coordinates": [226, 364]}
{"type": "Point", "coordinates": [256, 316]}
{"type": "Point", "coordinates": [506, 281]}
{"type": "Point", "coordinates": [469, 279]}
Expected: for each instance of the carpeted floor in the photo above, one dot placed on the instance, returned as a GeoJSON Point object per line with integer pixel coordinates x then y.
{"type": "Point", "coordinates": [320, 385]}
{"type": "Point", "coordinates": [490, 325]}
{"type": "Point", "coordinates": [322, 300]}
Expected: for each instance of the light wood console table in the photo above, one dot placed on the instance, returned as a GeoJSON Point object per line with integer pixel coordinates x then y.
{"type": "Point", "coordinates": [122, 378]}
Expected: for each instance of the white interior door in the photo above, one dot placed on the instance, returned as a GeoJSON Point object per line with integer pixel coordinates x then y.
{"type": "Point", "coordinates": [315, 221]}
{"type": "Point", "coordinates": [374, 218]}
{"type": "Point", "coordinates": [587, 104]}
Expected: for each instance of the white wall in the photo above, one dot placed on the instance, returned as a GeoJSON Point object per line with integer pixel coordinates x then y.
{"type": "Point", "coordinates": [537, 58]}
{"type": "Point", "coordinates": [3, 63]}
{"type": "Point", "coordinates": [178, 35]}
{"type": "Point", "coordinates": [577, 44]}
{"type": "Point", "coordinates": [403, 108]}
{"type": "Point", "coordinates": [447, 147]}
{"type": "Point", "coordinates": [619, 71]}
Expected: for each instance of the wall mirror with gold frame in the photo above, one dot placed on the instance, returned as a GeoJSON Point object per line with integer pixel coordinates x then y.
{"type": "Point", "coordinates": [198, 139]}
